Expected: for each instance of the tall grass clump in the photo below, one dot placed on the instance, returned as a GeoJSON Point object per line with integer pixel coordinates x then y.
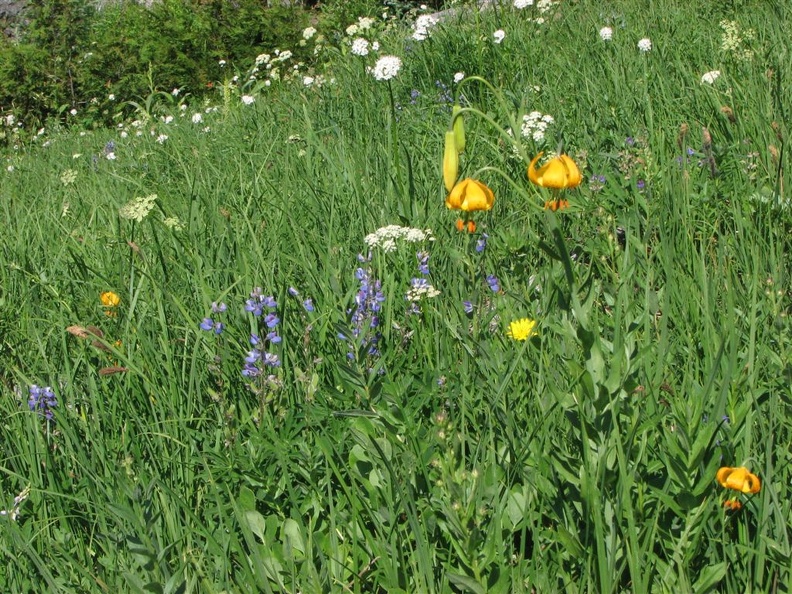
{"type": "Point", "coordinates": [246, 344]}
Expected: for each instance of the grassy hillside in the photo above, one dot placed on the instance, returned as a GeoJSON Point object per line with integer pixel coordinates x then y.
{"type": "Point", "coordinates": [222, 371]}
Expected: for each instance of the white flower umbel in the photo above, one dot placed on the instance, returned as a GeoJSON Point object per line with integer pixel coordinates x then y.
{"type": "Point", "coordinates": [386, 68]}
{"type": "Point", "coordinates": [645, 44]}
{"type": "Point", "coordinates": [498, 36]}
{"type": "Point", "coordinates": [422, 26]}
{"type": "Point", "coordinates": [535, 125]}
{"type": "Point", "coordinates": [248, 99]}
{"type": "Point", "coordinates": [606, 33]}
{"type": "Point", "coordinates": [420, 288]}
{"type": "Point", "coordinates": [710, 77]}
{"type": "Point", "coordinates": [360, 47]}
{"type": "Point", "coordinates": [520, 4]}
{"type": "Point", "coordinates": [137, 209]}
{"type": "Point", "coordinates": [458, 77]}
{"type": "Point", "coordinates": [386, 237]}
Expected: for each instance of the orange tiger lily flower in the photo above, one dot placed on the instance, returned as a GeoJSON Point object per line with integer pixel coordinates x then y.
{"type": "Point", "coordinates": [739, 479]}
{"type": "Point", "coordinates": [469, 195]}
{"type": "Point", "coordinates": [559, 173]}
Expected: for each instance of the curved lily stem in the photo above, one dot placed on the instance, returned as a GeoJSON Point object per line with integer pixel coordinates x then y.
{"type": "Point", "coordinates": [504, 107]}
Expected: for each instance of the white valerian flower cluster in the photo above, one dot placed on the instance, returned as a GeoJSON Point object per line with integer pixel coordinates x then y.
{"type": "Point", "coordinates": [360, 47]}
{"type": "Point", "coordinates": [386, 68]}
{"type": "Point", "coordinates": [138, 209]}
{"type": "Point", "coordinates": [422, 26]}
{"type": "Point", "coordinates": [386, 237]}
{"type": "Point", "coordinates": [68, 177]}
{"type": "Point", "coordinates": [173, 223]}
{"type": "Point", "coordinates": [520, 4]}
{"type": "Point", "coordinates": [420, 288]}
{"type": "Point", "coordinates": [535, 124]}
{"type": "Point", "coordinates": [710, 77]}
{"type": "Point", "coordinates": [645, 44]}
{"type": "Point", "coordinates": [498, 36]}
{"type": "Point", "coordinates": [248, 99]}
{"type": "Point", "coordinates": [606, 33]}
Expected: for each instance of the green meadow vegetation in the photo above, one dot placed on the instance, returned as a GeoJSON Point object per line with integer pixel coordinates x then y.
{"type": "Point", "coordinates": [244, 347]}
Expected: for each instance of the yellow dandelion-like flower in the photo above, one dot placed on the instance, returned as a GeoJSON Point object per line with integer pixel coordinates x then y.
{"type": "Point", "coordinates": [109, 299]}
{"type": "Point", "coordinates": [522, 329]}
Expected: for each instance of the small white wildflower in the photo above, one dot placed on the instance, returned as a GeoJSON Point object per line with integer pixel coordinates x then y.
{"type": "Point", "coordinates": [458, 77]}
{"type": "Point", "coordinates": [182, 107]}
{"type": "Point", "coordinates": [645, 44]}
{"type": "Point", "coordinates": [544, 5]}
{"type": "Point", "coordinates": [710, 77]}
{"type": "Point", "coordinates": [206, 130]}
{"type": "Point", "coordinates": [606, 33]}
{"type": "Point", "coordinates": [111, 97]}
{"type": "Point", "coordinates": [308, 32]}
{"type": "Point", "coordinates": [137, 209]}
{"type": "Point", "coordinates": [68, 177]}
{"type": "Point", "coordinates": [365, 23]}
{"type": "Point", "coordinates": [123, 134]}
{"type": "Point", "coordinates": [162, 138]}
{"type": "Point", "coordinates": [360, 47]}
{"type": "Point", "coordinates": [520, 4]}
{"type": "Point", "coordinates": [420, 288]}
{"type": "Point", "coordinates": [10, 169]}
{"type": "Point", "coordinates": [248, 99]}
{"type": "Point", "coordinates": [262, 59]}
{"type": "Point", "coordinates": [10, 119]}
{"type": "Point", "coordinates": [197, 118]}
{"type": "Point", "coordinates": [222, 63]}
{"type": "Point", "coordinates": [46, 143]}
{"type": "Point", "coordinates": [351, 30]}
{"type": "Point", "coordinates": [73, 112]}
{"type": "Point", "coordinates": [40, 132]}
{"type": "Point", "coordinates": [167, 119]}
{"type": "Point", "coordinates": [422, 26]}
{"type": "Point", "coordinates": [386, 68]}
{"type": "Point", "coordinates": [173, 223]}
{"type": "Point", "coordinates": [308, 80]}
{"type": "Point", "coordinates": [386, 237]}
{"type": "Point", "coordinates": [375, 46]}
{"type": "Point", "coordinates": [13, 513]}
{"type": "Point", "coordinates": [76, 155]}
{"type": "Point", "coordinates": [110, 156]}
{"type": "Point", "coordinates": [175, 92]}
{"type": "Point", "coordinates": [498, 36]}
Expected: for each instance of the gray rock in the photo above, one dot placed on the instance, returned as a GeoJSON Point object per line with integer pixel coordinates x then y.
{"type": "Point", "coordinates": [11, 9]}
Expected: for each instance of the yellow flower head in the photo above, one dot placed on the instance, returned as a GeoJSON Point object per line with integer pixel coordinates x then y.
{"type": "Point", "coordinates": [558, 173]}
{"type": "Point", "coordinates": [522, 329]}
{"type": "Point", "coordinates": [109, 299]}
{"type": "Point", "coordinates": [450, 161]}
{"type": "Point", "coordinates": [739, 479]}
{"type": "Point", "coordinates": [470, 195]}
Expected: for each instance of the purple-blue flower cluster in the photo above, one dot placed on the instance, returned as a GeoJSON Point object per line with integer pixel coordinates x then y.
{"type": "Point", "coordinates": [494, 283]}
{"type": "Point", "coordinates": [42, 400]}
{"type": "Point", "coordinates": [259, 357]}
{"type": "Point", "coordinates": [365, 314]}
{"type": "Point", "coordinates": [209, 324]}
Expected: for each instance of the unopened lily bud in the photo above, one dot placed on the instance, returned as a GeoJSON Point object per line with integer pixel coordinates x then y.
{"type": "Point", "coordinates": [459, 129]}
{"type": "Point", "coordinates": [450, 161]}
